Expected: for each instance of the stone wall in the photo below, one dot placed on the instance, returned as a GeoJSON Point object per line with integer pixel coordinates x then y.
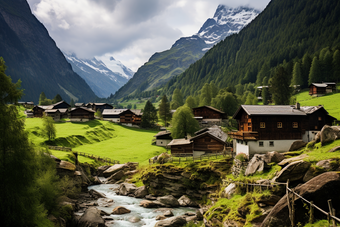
{"type": "Point", "coordinates": [238, 167]}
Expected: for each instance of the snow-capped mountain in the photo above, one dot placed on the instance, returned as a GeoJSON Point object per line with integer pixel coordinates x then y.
{"type": "Point", "coordinates": [162, 66]}
{"type": "Point", "coordinates": [226, 22]}
{"type": "Point", "coordinates": [102, 80]}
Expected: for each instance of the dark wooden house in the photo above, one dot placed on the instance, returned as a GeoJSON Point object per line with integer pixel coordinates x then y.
{"type": "Point", "coordinates": [208, 113]}
{"type": "Point", "coordinates": [61, 105]}
{"type": "Point", "coordinates": [99, 106]}
{"type": "Point", "coordinates": [38, 111]}
{"type": "Point", "coordinates": [54, 113]}
{"type": "Point", "coordinates": [181, 147]}
{"type": "Point", "coordinates": [112, 114]}
{"type": "Point", "coordinates": [26, 104]}
{"type": "Point", "coordinates": [320, 89]}
{"type": "Point", "coordinates": [130, 117]}
{"type": "Point", "coordinates": [163, 138]}
{"type": "Point", "coordinates": [81, 114]}
{"type": "Point", "coordinates": [267, 128]}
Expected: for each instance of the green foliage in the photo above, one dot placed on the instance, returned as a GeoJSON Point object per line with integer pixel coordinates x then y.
{"type": "Point", "coordinates": [279, 87]}
{"type": "Point", "coordinates": [99, 114]}
{"type": "Point", "coordinates": [206, 95]}
{"type": "Point", "coordinates": [68, 188]}
{"type": "Point", "coordinates": [242, 157]}
{"type": "Point", "coordinates": [17, 163]}
{"type": "Point", "coordinates": [315, 72]}
{"type": "Point", "coordinates": [49, 129]}
{"type": "Point", "coordinates": [177, 98]}
{"type": "Point", "coordinates": [57, 98]}
{"type": "Point", "coordinates": [297, 75]}
{"type": "Point", "coordinates": [149, 117]}
{"type": "Point", "coordinates": [164, 110]}
{"type": "Point", "coordinates": [183, 123]}
{"type": "Point", "coordinates": [225, 101]}
{"type": "Point", "coordinates": [190, 102]}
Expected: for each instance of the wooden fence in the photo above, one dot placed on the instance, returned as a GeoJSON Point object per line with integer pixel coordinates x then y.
{"type": "Point", "coordinates": [185, 158]}
{"type": "Point", "coordinates": [92, 156]}
{"type": "Point", "coordinates": [291, 196]}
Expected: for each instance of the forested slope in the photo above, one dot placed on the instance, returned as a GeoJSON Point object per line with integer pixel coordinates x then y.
{"type": "Point", "coordinates": [284, 31]}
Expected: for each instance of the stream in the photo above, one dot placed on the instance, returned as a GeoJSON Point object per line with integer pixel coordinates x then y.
{"type": "Point", "coordinates": [147, 216]}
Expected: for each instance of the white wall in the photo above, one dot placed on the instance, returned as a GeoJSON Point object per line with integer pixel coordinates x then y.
{"type": "Point", "coordinates": [309, 136]}
{"type": "Point", "coordinates": [112, 119]}
{"type": "Point", "coordinates": [198, 153]}
{"type": "Point", "coordinates": [162, 143]}
{"type": "Point", "coordinates": [242, 148]}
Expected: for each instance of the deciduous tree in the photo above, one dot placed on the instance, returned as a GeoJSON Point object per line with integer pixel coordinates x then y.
{"type": "Point", "coordinates": [183, 123]}
{"type": "Point", "coordinates": [49, 128]}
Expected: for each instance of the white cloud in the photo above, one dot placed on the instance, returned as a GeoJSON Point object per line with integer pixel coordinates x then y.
{"type": "Point", "coordinates": [129, 30]}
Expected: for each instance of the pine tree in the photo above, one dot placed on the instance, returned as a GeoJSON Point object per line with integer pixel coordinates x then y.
{"type": "Point", "coordinates": [305, 68]}
{"type": "Point", "coordinates": [57, 98]}
{"type": "Point", "coordinates": [279, 87]}
{"type": "Point", "coordinates": [336, 66]}
{"type": "Point", "coordinates": [265, 95]}
{"type": "Point", "coordinates": [205, 97]}
{"type": "Point", "coordinates": [264, 72]}
{"type": "Point", "coordinates": [72, 103]}
{"type": "Point", "coordinates": [164, 111]}
{"type": "Point", "coordinates": [297, 75]}
{"type": "Point", "coordinates": [314, 74]}
{"type": "Point", "coordinates": [42, 98]}
{"type": "Point", "coordinates": [149, 117]}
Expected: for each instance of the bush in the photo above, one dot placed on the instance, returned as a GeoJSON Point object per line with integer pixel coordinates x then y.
{"type": "Point", "coordinates": [242, 157]}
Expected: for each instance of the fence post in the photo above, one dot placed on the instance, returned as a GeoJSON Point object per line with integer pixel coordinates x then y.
{"type": "Point", "coordinates": [331, 211]}
{"type": "Point", "coordinates": [288, 203]}
{"type": "Point", "coordinates": [293, 208]}
{"type": "Point", "coordinates": [311, 214]}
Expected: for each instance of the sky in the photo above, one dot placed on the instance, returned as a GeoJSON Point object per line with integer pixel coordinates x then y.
{"type": "Point", "coordinates": [130, 31]}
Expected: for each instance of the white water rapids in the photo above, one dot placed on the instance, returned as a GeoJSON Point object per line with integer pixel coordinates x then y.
{"type": "Point", "coordinates": [147, 216]}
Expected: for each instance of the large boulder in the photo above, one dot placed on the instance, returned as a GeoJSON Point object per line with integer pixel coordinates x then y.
{"type": "Point", "coordinates": [177, 221]}
{"type": "Point", "coordinates": [185, 201]}
{"type": "Point", "coordinates": [141, 192]}
{"type": "Point", "coordinates": [151, 204]}
{"type": "Point", "coordinates": [115, 177]}
{"type": "Point", "coordinates": [168, 200]}
{"type": "Point", "coordinates": [329, 133]}
{"type": "Point", "coordinates": [91, 218]}
{"type": "Point", "coordinates": [319, 189]}
{"type": "Point", "coordinates": [126, 189]}
{"type": "Point", "coordinates": [120, 210]}
{"type": "Point", "coordinates": [113, 169]}
{"type": "Point", "coordinates": [334, 149]}
{"type": "Point", "coordinates": [296, 145]}
{"type": "Point", "coordinates": [229, 191]}
{"type": "Point", "coordinates": [101, 169]}
{"type": "Point", "coordinates": [256, 164]}
{"type": "Point", "coordinates": [325, 164]}
{"type": "Point", "coordinates": [294, 171]}
{"type": "Point", "coordinates": [273, 156]}
{"type": "Point", "coordinates": [293, 159]}
{"type": "Point", "coordinates": [95, 194]}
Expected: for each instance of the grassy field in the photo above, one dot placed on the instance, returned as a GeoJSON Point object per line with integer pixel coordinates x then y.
{"type": "Point", "coordinates": [97, 137]}
{"type": "Point", "coordinates": [331, 102]}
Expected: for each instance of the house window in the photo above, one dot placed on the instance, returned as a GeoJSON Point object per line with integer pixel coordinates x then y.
{"type": "Point", "coordinates": [316, 127]}
{"type": "Point", "coordinates": [319, 118]}
{"type": "Point", "coordinates": [279, 124]}
{"type": "Point", "coordinates": [295, 125]}
{"type": "Point", "coordinates": [260, 144]}
{"type": "Point", "coordinates": [271, 143]}
{"type": "Point", "coordinates": [262, 124]}
{"type": "Point", "coordinates": [179, 148]}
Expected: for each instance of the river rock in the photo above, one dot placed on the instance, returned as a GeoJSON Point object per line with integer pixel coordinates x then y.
{"type": "Point", "coordinates": [91, 218]}
{"type": "Point", "coordinates": [96, 194]}
{"type": "Point", "coordinates": [115, 177]}
{"type": "Point", "coordinates": [101, 169]}
{"type": "Point", "coordinates": [120, 210]}
{"type": "Point", "coordinates": [296, 145]}
{"type": "Point", "coordinates": [113, 169]}
{"type": "Point", "coordinates": [325, 164]}
{"type": "Point", "coordinates": [177, 221]}
{"type": "Point", "coordinates": [150, 197]}
{"type": "Point", "coordinates": [273, 156]}
{"type": "Point", "coordinates": [329, 133]}
{"type": "Point", "coordinates": [141, 192]}
{"type": "Point", "coordinates": [256, 164]}
{"type": "Point", "coordinates": [319, 190]}
{"type": "Point", "coordinates": [294, 171]}
{"type": "Point", "coordinates": [134, 219]}
{"type": "Point", "coordinates": [105, 202]}
{"type": "Point", "coordinates": [126, 189]}
{"type": "Point", "coordinates": [168, 200]}
{"type": "Point", "coordinates": [151, 204]}
{"type": "Point", "coordinates": [185, 201]}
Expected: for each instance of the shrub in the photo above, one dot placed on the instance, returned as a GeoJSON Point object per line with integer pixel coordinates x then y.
{"type": "Point", "coordinates": [242, 157]}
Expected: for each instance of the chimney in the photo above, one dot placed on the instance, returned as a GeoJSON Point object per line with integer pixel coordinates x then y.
{"type": "Point", "coordinates": [297, 106]}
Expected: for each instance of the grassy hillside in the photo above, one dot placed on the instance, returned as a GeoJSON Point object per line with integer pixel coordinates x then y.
{"type": "Point", "coordinates": [102, 138]}
{"type": "Point", "coordinates": [330, 102]}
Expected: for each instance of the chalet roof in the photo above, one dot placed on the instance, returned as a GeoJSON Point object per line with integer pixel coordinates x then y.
{"type": "Point", "coordinates": [277, 110]}
{"type": "Point", "coordinates": [162, 133]}
{"type": "Point", "coordinates": [101, 104]}
{"type": "Point", "coordinates": [79, 104]}
{"type": "Point", "coordinates": [64, 110]}
{"type": "Point", "coordinates": [319, 84]}
{"type": "Point", "coordinates": [52, 111]}
{"type": "Point", "coordinates": [137, 112]}
{"type": "Point", "coordinates": [210, 107]}
{"type": "Point", "coordinates": [113, 111]}
{"type": "Point", "coordinates": [179, 142]}
{"type": "Point", "coordinates": [214, 131]}
{"type": "Point", "coordinates": [84, 108]}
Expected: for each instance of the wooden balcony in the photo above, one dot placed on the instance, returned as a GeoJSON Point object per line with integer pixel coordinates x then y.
{"type": "Point", "coordinates": [242, 135]}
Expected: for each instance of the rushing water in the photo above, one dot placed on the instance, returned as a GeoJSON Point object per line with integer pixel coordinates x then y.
{"type": "Point", "coordinates": [147, 216]}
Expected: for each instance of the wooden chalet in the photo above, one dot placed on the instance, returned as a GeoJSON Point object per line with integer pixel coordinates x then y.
{"type": "Point", "coordinates": [81, 114]}
{"type": "Point", "coordinates": [99, 106]}
{"type": "Point", "coordinates": [163, 138]}
{"type": "Point", "coordinates": [26, 104]}
{"type": "Point", "coordinates": [205, 141]}
{"type": "Point", "coordinates": [320, 89]}
{"type": "Point", "coordinates": [54, 113]}
{"type": "Point", "coordinates": [60, 105]}
{"type": "Point", "coordinates": [263, 128]}
{"type": "Point", "coordinates": [208, 113]}
{"type": "Point", "coordinates": [112, 114]}
{"type": "Point", "coordinates": [38, 111]}
{"type": "Point", "coordinates": [79, 104]}
{"type": "Point", "coordinates": [131, 117]}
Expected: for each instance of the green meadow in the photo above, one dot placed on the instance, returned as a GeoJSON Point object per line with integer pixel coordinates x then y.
{"type": "Point", "coordinates": [331, 102]}
{"type": "Point", "coordinates": [102, 138]}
